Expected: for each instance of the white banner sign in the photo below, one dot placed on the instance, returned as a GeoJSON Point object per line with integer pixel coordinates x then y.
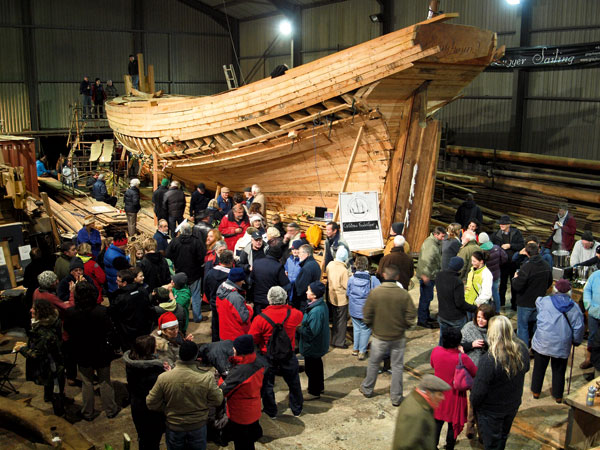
{"type": "Point", "coordinates": [360, 222]}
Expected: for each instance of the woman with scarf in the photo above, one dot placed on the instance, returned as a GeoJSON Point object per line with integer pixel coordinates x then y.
{"type": "Point", "coordinates": [478, 288]}
{"type": "Point", "coordinates": [453, 409]}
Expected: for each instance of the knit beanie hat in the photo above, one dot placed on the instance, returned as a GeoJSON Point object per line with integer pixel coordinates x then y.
{"type": "Point", "coordinates": [297, 244]}
{"type": "Point", "coordinates": [563, 286]}
{"type": "Point", "coordinates": [164, 182]}
{"type": "Point", "coordinates": [244, 344]}
{"type": "Point", "coordinates": [76, 263]}
{"type": "Point", "coordinates": [180, 279]}
{"type": "Point", "coordinates": [46, 279]}
{"type": "Point", "coordinates": [484, 241]}
{"type": "Point", "coordinates": [167, 320]}
{"type": "Point", "coordinates": [188, 351]}
{"type": "Point", "coordinates": [456, 263]}
{"type": "Point", "coordinates": [398, 227]}
{"type": "Point", "coordinates": [317, 288]}
{"type": "Point", "coordinates": [236, 274]}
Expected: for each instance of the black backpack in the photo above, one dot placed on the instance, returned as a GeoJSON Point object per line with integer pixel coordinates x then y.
{"type": "Point", "coordinates": [279, 347]}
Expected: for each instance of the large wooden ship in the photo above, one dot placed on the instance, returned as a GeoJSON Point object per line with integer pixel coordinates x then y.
{"type": "Point", "coordinates": [356, 120]}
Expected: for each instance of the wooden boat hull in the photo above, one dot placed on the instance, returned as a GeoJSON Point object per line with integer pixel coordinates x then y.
{"type": "Point", "coordinates": [294, 135]}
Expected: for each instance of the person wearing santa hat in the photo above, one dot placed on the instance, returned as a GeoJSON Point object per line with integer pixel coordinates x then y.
{"type": "Point", "coordinates": [169, 338]}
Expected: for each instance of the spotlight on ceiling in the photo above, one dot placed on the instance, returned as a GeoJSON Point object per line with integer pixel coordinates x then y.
{"type": "Point", "coordinates": [285, 27]}
{"type": "Point", "coordinates": [513, 2]}
{"type": "Point", "coordinates": [376, 18]}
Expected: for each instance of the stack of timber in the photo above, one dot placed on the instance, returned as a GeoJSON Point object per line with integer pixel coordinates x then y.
{"type": "Point", "coordinates": [295, 135]}
{"type": "Point", "coordinates": [526, 186]}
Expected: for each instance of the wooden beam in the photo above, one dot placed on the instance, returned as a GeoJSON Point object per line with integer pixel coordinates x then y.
{"type": "Point", "coordinates": [150, 78]}
{"type": "Point", "coordinates": [531, 158]}
{"type": "Point", "coordinates": [349, 169]}
{"type": "Point", "coordinates": [48, 208]}
{"type": "Point", "coordinates": [5, 247]}
{"type": "Point", "coordinates": [315, 115]}
{"type": "Point", "coordinates": [142, 72]}
{"type": "Point", "coordinates": [128, 84]}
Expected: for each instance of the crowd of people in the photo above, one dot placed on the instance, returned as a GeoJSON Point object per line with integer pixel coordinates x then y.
{"type": "Point", "coordinates": [271, 312]}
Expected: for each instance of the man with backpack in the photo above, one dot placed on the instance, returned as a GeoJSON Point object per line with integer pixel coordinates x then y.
{"type": "Point", "coordinates": [274, 333]}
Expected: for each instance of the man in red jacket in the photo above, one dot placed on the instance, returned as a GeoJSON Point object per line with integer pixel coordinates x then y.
{"type": "Point", "coordinates": [234, 314]}
{"type": "Point", "coordinates": [261, 330]}
{"type": "Point", "coordinates": [563, 234]}
{"type": "Point", "coordinates": [242, 389]}
{"type": "Point", "coordinates": [234, 225]}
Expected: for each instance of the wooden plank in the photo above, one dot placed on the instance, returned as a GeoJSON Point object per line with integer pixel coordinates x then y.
{"type": "Point", "coordinates": [48, 208]}
{"type": "Point", "coordinates": [348, 170]}
{"type": "Point", "coordinates": [128, 84]}
{"type": "Point", "coordinates": [9, 263]}
{"type": "Point", "coordinates": [151, 84]}
{"type": "Point", "coordinates": [315, 115]}
{"type": "Point", "coordinates": [142, 69]}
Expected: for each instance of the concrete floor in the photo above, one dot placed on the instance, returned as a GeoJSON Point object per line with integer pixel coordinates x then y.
{"type": "Point", "coordinates": [342, 418]}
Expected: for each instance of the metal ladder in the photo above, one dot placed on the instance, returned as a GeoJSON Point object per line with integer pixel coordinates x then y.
{"type": "Point", "coordinates": [230, 76]}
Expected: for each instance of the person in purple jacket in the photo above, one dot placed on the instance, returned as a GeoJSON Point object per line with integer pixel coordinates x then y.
{"type": "Point", "coordinates": [496, 257]}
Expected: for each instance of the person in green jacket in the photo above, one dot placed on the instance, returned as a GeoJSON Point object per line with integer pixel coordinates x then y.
{"type": "Point", "coordinates": [430, 263]}
{"type": "Point", "coordinates": [415, 425]}
{"type": "Point", "coordinates": [314, 339]}
{"type": "Point", "coordinates": [182, 293]}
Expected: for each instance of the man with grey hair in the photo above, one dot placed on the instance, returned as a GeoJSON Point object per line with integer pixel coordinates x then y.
{"type": "Point", "coordinates": [278, 312]}
{"type": "Point", "coordinates": [100, 193]}
{"type": "Point", "coordinates": [187, 253]}
{"type": "Point", "coordinates": [400, 259]}
{"type": "Point", "coordinates": [162, 236]}
{"type": "Point", "coordinates": [131, 200]}
{"type": "Point", "coordinates": [259, 197]}
{"type": "Point", "coordinates": [174, 206]}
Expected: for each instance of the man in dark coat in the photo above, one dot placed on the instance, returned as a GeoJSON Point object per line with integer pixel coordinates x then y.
{"type": "Point", "coordinates": [85, 89]}
{"type": "Point", "coordinates": [214, 278]}
{"type": "Point", "coordinates": [155, 266]}
{"type": "Point", "coordinates": [187, 253]}
{"type": "Point", "coordinates": [398, 258]}
{"type": "Point", "coordinates": [98, 96]}
{"type": "Point", "coordinates": [199, 200]}
{"type": "Point", "coordinates": [252, 252]}
{"type": "Point", "coordinates": [201, 225]}
{"type": "Point", "coordinates": [266, 273]}
{"type": "Point", "coordinates": [174, 206]}
{"type": "Point", "coordinates": [90, 334]}
{"type": "Point", "coordinates": [532, 281]}
{"type": "Point", "coordinates": [134, 71]}
{"type": "Point", "coordinates": [467, 211]}
{"type": "Point", "coordinates": [333, 241]}
{"type": "Point", "coordinates": [157, 199]}
{"type": "Point", "coordinates": [162, 236]}
{"type": "Point", "coordinates": [309, 272]}
{"type": "Point", "coordinates": [100, 193]}
{"type": "Point", "coordinates": [131, 200]}
{"type": "Point", "coordinates": [130, 311]}
{"type": "Point", "coordinates": [511, 240]}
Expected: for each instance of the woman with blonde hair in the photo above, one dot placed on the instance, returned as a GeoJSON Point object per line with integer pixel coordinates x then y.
{"type": "Point", "coordinates": [498, 386]}
{"type": "Point", "coordinates": [451, 245]}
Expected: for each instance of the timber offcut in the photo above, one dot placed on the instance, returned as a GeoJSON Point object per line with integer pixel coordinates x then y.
{"type": "Point", "coordinates": [295, 134]}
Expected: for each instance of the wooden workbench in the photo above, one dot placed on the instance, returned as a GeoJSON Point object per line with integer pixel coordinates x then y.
{"type": "Point", "coordinates": [583, 427]}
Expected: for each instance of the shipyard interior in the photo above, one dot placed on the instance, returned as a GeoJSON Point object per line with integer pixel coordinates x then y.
{"type": "Point", "coordinates": [310, 224]}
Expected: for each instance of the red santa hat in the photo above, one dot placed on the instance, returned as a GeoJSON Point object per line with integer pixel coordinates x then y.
{"type": "Point", "coordinates": [167, 320]}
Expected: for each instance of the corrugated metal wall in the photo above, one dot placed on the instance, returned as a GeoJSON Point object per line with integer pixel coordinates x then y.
{"type": "Point", "coordinates": [74, 38]}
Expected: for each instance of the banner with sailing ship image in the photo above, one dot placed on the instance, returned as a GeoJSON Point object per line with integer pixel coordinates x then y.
{"type": "Point", "coordinates": [359, 220]}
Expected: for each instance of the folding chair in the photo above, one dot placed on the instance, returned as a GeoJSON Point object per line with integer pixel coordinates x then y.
{"type": "Point", "coordinates": [6, 387]}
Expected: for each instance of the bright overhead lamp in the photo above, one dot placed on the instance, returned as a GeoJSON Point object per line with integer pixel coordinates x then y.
{"type": "Point", "coordinates": [376, 18]}
{"type": "Point", "coordinates": [285, 27]}
{"type": "Point", "coordinates": [513, 2]}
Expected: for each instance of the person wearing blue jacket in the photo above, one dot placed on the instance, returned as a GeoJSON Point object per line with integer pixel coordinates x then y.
{"type": "Point", "coordinates": [559, 325]}
{"type": "Point", "coordinates": [591, 303]}
{"type": "Point", "coordinates": [314, 339]}
{"type": "Point", "coordinates": [116, 250]}
{"type": "Point", "coordinates": [292, 265]}
{"type": "Point", "coordinates": [359, 286]}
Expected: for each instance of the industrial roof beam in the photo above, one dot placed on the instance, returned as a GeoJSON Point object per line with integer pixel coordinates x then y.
{"type": "Point", "coordinates": [211, 12]}
{"type": "Point", "coordinates": [302, 8]}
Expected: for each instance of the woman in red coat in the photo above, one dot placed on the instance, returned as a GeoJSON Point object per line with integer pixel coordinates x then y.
{"type": "Point", "coordinates": [234, 225]}
{"type": "Point", "coordinates": [242, 388]}
{"type": "Point", "coordinates": [453, 409]}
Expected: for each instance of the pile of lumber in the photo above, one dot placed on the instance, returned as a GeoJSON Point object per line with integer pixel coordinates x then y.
{"type": "Point", "coordinates": [525, 186]}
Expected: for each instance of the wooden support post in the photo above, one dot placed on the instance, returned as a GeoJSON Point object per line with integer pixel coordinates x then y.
{"type": "Point", "coordinates": [155, 179]}
{"type": "Point", "coordinates": [128, 85]}
{"type": "Point", "coordinates": [142, 72]}
{"type": "Point", "coordinates": [348, 170]}
{"type": "Point", "coordinates": [5, 246]}
{"type": "Point", "coordinates": [151, 84]}
{"type": "Point", "coordinates": [48, 208]}
{"type": "Point", "coordinates": [217, 191]}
